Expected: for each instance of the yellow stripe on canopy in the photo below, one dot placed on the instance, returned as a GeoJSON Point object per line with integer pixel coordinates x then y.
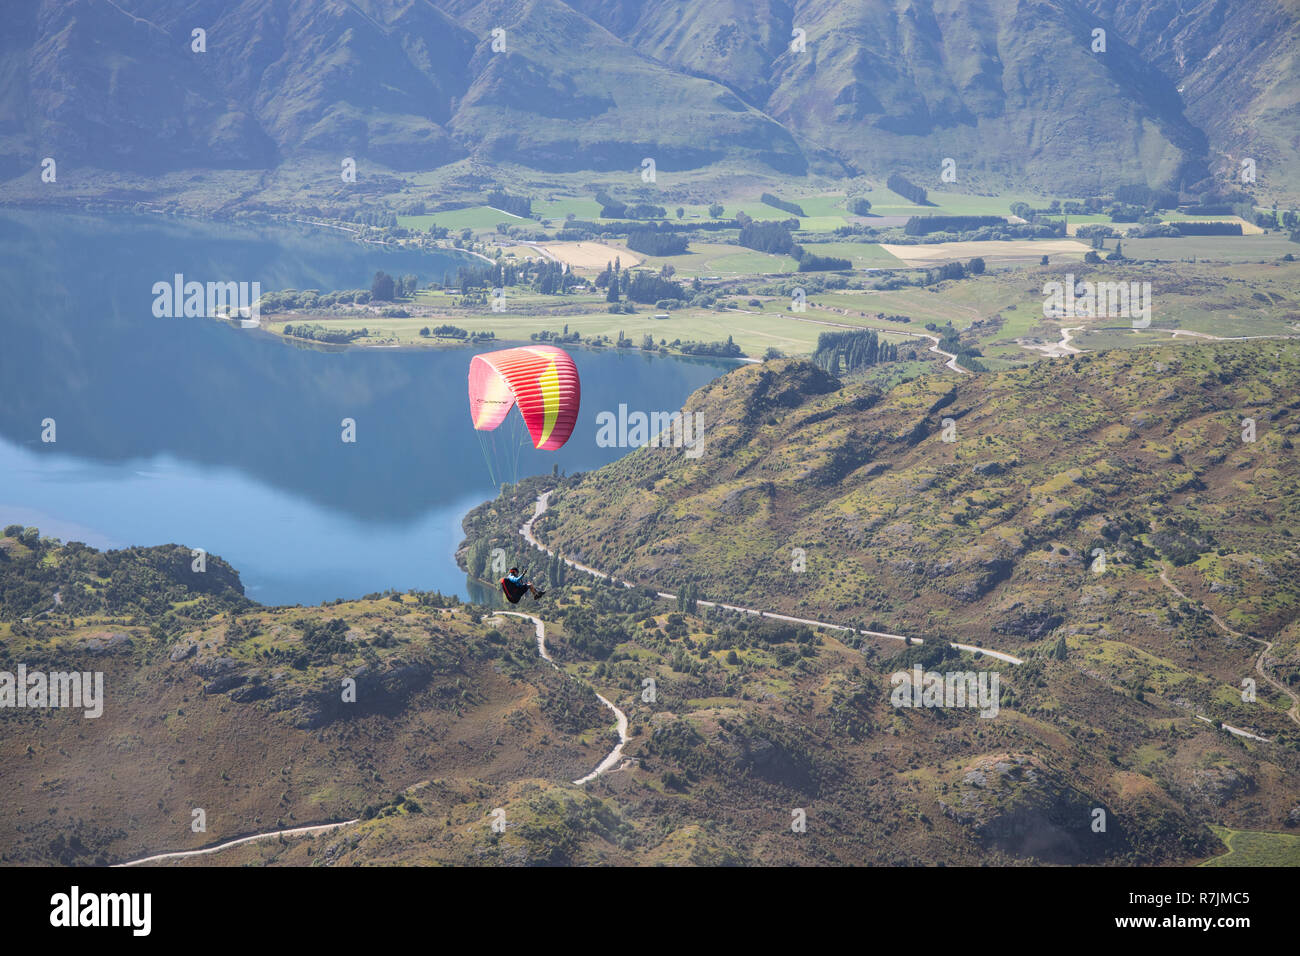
{"type": "Point", "coordinates": [550, 383]}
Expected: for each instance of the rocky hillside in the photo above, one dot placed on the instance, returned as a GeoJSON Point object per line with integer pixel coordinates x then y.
{"type": "Point", "coordinates": [453, 722]}
{"type": "Point", "coordinates": [1234, 67]}
{"type": "Point", "coordinates": [1066, 489]}
{"type": "Point", "coordinates": [213, 703]}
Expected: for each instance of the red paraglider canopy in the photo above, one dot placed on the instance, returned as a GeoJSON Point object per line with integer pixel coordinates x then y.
{"type": "Point", "coordinates": [541, 379]}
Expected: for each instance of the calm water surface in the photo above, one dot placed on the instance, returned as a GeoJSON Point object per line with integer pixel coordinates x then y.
{"type": "Point", "coordinates": [191, 431]}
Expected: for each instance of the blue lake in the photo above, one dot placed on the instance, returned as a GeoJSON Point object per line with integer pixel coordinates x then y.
{"type": "Point", "coordinates": [196, 432]}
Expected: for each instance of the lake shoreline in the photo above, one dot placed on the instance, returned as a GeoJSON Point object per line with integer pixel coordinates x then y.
{"type": "Point", "coordinates": [139, 207]}
{"type": "Point", "coordinates": [317, 476]}
{"type": "Point", "coordinates": [436, 343]}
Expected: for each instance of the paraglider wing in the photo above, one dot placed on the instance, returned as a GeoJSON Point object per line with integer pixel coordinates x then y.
{"type": "Point", "coordinates": [541, 379]}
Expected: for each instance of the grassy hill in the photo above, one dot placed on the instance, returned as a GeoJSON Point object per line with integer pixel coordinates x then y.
{"type": "Point", "coordinates": [755, 718]}
{"type": "Point", "coordinates": [213, 702]}
{"type": "Point", "coordinates": [992, 536]}
{"type": "Point", "coordinates": [217, 703]}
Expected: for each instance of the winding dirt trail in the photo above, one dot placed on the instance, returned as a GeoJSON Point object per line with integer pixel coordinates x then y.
{"type": "Point", "coordinates": [295, 831]}
{"type": "Point", "coordinates": [1224, 338]}
{"type": "Point", "coordinates": [539, 509]}
{"type": "Point", "coordinates": [615, 755]}
{"type": "Point", "coordinates": [604, 767]}
{"type": "Point", "coordinates": [1061, 348]}
{"type": "Point", "coordinates": [1294, 712]}
{"type": "Point", "coordinates": [543, 500]}
{"type": "Point", "coordinates": [952, 359]}
{"type": "Point", "coordinates": [620, 718]}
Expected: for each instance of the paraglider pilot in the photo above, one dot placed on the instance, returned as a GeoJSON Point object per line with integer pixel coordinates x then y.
{"type": "Point", "coordinates": [515, 587]}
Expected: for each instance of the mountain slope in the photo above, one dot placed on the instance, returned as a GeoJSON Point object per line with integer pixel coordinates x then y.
{"type": "Point", "coordinates": [568, 95]}
{"type": "Point", "coordinates": [215, 703]}
{"type": "Point", "coordinates": [1010, 90]}
{"type": "Point", "coordinates": [991, 538]}
{"type": "Point", "coordinates": [118, 86]}
{"type": "Point", "coordinates": [1007, 89]}
{"type": "Point", "coordinates": [1237, 66]}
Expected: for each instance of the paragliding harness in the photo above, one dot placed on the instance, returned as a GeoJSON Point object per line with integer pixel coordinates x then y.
{"type": "Point", "coordinates": [512, 591]}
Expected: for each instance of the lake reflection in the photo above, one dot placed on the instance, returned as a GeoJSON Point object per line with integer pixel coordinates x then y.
{"type": "Point", "coordinates": [196, 432]}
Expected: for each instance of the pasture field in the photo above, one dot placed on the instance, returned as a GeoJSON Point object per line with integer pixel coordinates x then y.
{"type": "Point", "coordinates": [590, 256]}
{"type": "Point", "coordinates": [1118, 337]}
{"type": "Point", "coordinates": [827, 221]}
{"type": "Point", "coordinates": [1013, 251]}
{"type": "Point", "coordinates": [478, 218]}
{"type": "Point", "coordinates": [1175, 310]}
{"type": "Point", "coordinates": [827, 211]}
{"type": "Point", "coordinates": [1248, 228]}
{"type": "Point", "coordinates": [755, 328]}
{"type": "Point", "coordinates": [1075, 222]}
{"type": "Point", "coordinates": [1256, 848]}
{"type": "Point", "coordinates": [833, 206]}
{"type": "Point", "coordinates": [557, 208]}
{"type": "Point", "coordinates": [886, 202]}
{"type": "Point", "coordinates": [1256, 248]}
{"type": "Point", "coordinates": [863, 255]}
{"type": "Point", "coordinates": [722, 259]}
{"type": "Point", "coordinates": [753, 331]}
{"type": "Point", "coordinates": [1203, 288]}
{"type": "Point", "coordinates": [861, 308]}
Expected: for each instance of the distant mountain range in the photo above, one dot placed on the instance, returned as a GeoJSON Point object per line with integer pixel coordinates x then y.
{"type": "Point", "coordinates": [1010, 89]}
